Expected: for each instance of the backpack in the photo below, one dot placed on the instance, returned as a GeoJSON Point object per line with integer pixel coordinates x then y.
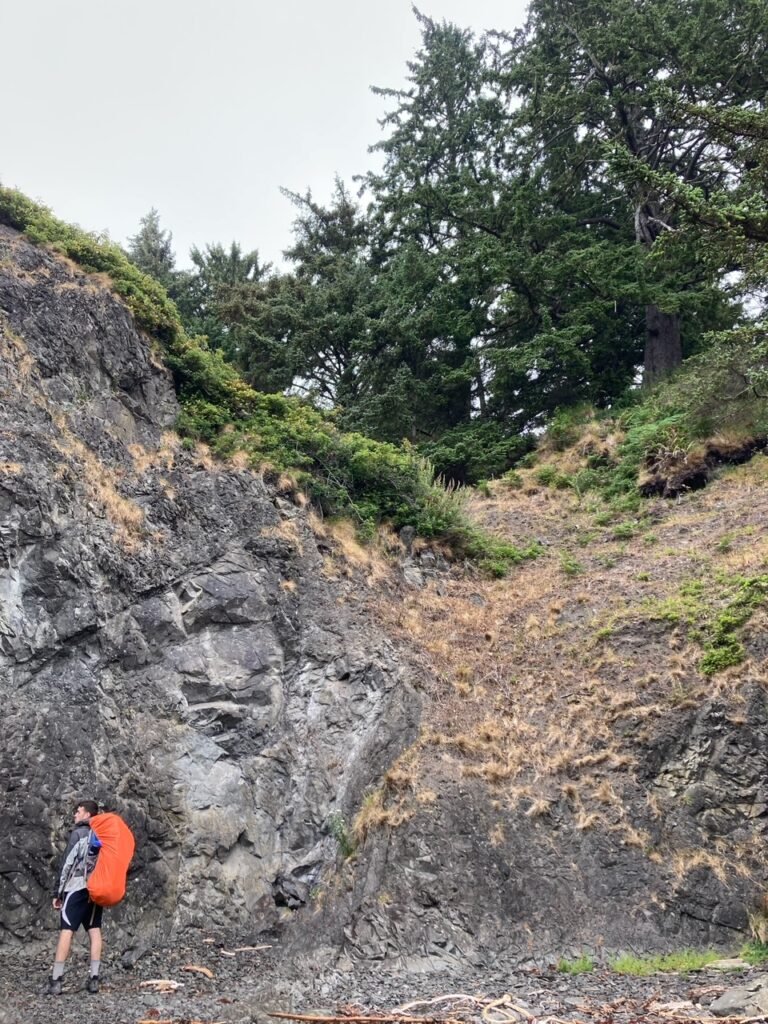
{"type": "Point", "coordinates": [115, 842]}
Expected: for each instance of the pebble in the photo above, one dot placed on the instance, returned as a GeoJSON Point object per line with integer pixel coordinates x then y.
{"type": "Point", "coordinates": [246, 987]}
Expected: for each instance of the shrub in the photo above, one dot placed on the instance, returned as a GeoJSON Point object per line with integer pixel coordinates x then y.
{"type": "Point", "coordinates": [474, 451]}
{"type": "Point", "coordinates": [550, 476]}
{"type": "Point", "coordinates": [722, 646]}
{"type": "Point", "coordinates": [567, 424]}
{"type": "Point", "coordinates": [147, 300]}
{"type": "Point", "coordinates": [754, 952]}
{"type": "Point", "coordinates": [337, 827]}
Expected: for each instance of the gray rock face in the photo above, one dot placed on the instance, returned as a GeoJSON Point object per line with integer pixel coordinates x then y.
{"type": "Point", "coordinates": [167, 640]}
{"type": "Point", "coordinates": [170, 645]}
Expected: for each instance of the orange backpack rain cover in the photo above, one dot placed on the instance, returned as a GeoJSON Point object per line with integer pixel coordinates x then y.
{"type": "Point", "coordinates": [106, 885]}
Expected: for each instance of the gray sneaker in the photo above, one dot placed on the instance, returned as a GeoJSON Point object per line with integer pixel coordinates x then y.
{"type": "Point", "coordinates": [93, 984]}
{"type": "Point", "coordinates": [54, 987]}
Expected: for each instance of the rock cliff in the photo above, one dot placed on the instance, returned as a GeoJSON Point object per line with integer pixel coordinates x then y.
{"type": "Point", "coordinates": [168, 642]}
{"type": "Point", "coordinates": [172, 643]}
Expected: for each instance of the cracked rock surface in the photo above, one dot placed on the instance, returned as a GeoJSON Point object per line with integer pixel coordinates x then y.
{"type": "Point", "coordinates": [168, 642]}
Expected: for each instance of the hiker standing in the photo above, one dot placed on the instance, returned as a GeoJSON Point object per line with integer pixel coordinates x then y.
{"type": "Point", "coordinates": [71, 898]}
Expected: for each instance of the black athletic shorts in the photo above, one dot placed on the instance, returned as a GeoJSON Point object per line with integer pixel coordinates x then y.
{"type": "Point", "coordinates": [77, 910]}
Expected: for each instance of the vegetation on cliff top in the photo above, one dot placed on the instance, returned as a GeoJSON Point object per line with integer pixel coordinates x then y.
{"type": "Point", "coordinates": [344, 473]}
{"type": "Point", "coordinates": [555, 211]}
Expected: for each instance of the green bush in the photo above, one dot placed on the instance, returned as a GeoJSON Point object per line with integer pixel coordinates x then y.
{"type": "Point", "coordinates": [550, 476]}
{"type": "Point", "coordinates": [345, 474]}
{"type": "Point", "coordinates": [152, 309]}
{"type": "Point", "coordinates": [338, 828]}
{"type": "Point", "coordinates": [512, 480]}
{"type": "Point", "coordinates": [754, 953]}
{"type": "Point", "coordinates": [474, 451]}
{"type": "Point", "coordinates": [569, 565]}
{"type": "Point", "coordinates": [722, 648]}
{"type": "Point", "coordinates": [714, 612]}
{"type": "Point", "coordinates": [567, 424]}
{"type": "Point", "coordinates": [724, 387]}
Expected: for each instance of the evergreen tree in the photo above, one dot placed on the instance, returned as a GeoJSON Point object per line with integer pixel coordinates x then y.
{"type": "Point", "coordinates": [208, 295]}
{"type": "Point", "coordinates": [528, 304]}
{"type": "Point", "coordinates": [601, 80]}
{"type": "Point", "coordinates": [312, 326]}
{"type": "Point", "coordinates": [151, 249]}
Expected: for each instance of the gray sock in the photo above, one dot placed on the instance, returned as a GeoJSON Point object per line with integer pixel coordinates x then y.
{"type": "Point", "coordinates": [95, 965]}
{"type": "Point", "coordinates": [58, 969]}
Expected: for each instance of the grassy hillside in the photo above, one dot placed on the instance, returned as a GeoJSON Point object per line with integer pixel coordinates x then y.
{"type": "Point", "coordinates": [552, 684]}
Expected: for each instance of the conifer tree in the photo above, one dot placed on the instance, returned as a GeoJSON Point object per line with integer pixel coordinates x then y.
{"type": "Point", "coordinates": [151, 249]}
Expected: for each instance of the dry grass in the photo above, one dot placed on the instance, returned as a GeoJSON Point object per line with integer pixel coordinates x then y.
{"type": "Point", "coordinates": [376, 813]}
{"type": "Point", "coordinates": [240, 461]}
{"type": "Point", "coordinates": [203, 457]}
{"type": "Point", "coordinates": [15, 353]}
{"type": "Point", "coordinates": [524, 697]}
{"type": "Point", "coordinates": [348, 554]}
{"type": "Point", "coordinates": [683, 862]}
{"type": "Point", "coordinates": [286, 530]}
{"type": "Point", "coordinates": [163, 457]}
{"type": "Point", "coordinates": [102, 482]}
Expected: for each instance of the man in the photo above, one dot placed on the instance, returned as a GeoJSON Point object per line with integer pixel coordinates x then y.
{"type": "Point", "coordinates": [71, 898]}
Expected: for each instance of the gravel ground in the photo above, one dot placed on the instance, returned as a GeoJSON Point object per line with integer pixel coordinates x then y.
{"type": "Point", "coordinates": [245, 986]}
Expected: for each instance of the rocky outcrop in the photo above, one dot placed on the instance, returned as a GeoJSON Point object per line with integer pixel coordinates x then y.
{"type": "Point", "coordinates": [171, 644]}
{"type": "Point", "coordinates": [168, 642]}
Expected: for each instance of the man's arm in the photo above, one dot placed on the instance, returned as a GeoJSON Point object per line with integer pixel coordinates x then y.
{"type": "Point", "coordinates": [67, 862]}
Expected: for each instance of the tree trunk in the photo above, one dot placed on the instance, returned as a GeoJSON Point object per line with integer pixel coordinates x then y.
{"type": "Point", "coordinates": [663, 348]}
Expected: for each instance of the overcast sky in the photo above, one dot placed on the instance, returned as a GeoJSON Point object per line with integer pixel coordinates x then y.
{"type": "Point", "coordinates": [202, 109]}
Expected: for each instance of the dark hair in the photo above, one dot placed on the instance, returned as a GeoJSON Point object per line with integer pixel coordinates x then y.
{"type": "Point", "coordinates": [88, 805]}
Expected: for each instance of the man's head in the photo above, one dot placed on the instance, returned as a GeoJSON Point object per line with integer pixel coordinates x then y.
{"type": "Point", "coordinates": [85, 810]}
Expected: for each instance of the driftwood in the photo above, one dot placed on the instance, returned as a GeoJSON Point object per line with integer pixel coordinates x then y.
{"type": "Point", "coordinates": [162, 984]}
{"type": "Point", "coordinates": [197, 969]}
{"type": "Point", "coordinates": [505, 1011]}
{"type": "Point", "coordinates": [364, 1018]}
{"type": "Point", "coordinates": [493, 1011]}
{"type": "Point", "coordinates": [171, 1020]}
{"type": "Point", "coordinates": [243, 949]}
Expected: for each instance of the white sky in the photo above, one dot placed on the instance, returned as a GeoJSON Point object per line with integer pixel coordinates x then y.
{"type": "Point", "coordinates": [202, 108]}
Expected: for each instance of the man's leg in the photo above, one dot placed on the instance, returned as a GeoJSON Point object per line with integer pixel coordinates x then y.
{"type": "Point", "coordinates": [63, 947]}
{"type": "Point", "coordinates": [94, 935]}
{"type": "Point", "coordinates": [95, 940]}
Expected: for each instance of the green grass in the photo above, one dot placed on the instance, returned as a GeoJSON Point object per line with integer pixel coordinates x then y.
{"type": "Point", "coordinates": [550, 476]}
{"type": "Point", "coordinates": [714, 612]}
{"type": "Point", "coordinates": [679, 963]}
{"type": "Point", "coordinates": [722, 647]}
{"type": "Point", "coordinates": [338, 828]}
{"type": "Point", "coordinates": [687, 607]}
{"type": "Point", "coordinates": [569, 565]}
{"type": "Point", "coordinates": [754, 953]}
{"type": "Point", "coordinates": [582, 965]}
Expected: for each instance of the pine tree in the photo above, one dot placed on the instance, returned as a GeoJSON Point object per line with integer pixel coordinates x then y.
{"type": "Point", "coordinates": [601, 80]}
{"type": "Point", "coordinates": [151, 249]}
